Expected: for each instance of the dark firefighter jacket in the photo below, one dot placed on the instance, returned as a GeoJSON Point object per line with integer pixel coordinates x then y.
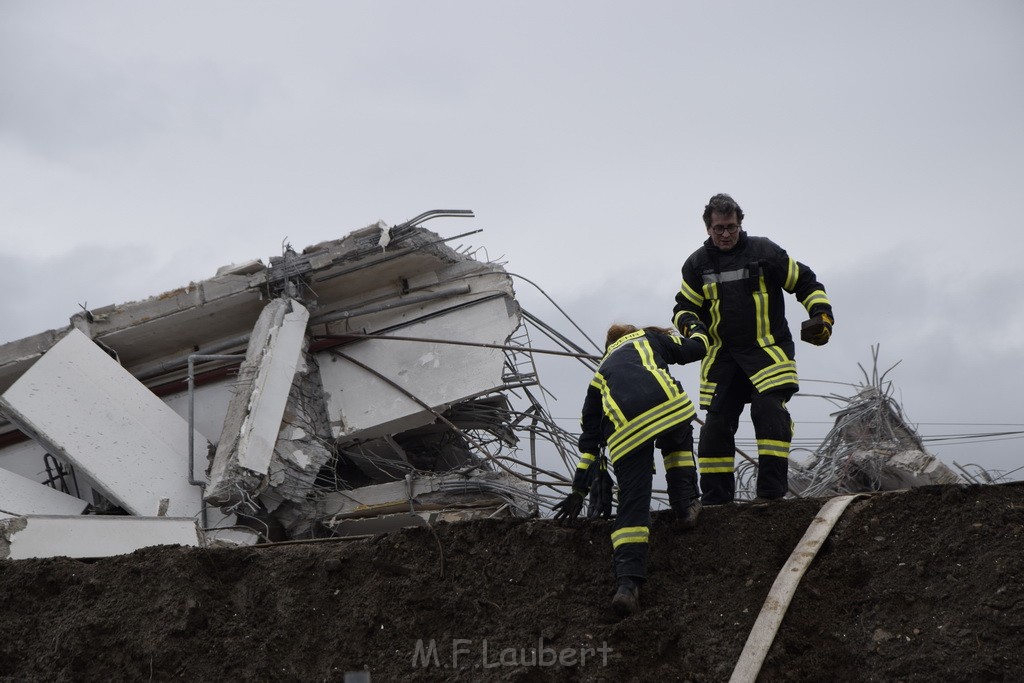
{"type": "Point", "coordinates": [633, 398]}
{"type": "Point", "coordinates": [738, 295]}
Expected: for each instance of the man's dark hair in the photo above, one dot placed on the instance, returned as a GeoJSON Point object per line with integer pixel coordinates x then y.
{"type": "Point", "coordinates": [723, 204]}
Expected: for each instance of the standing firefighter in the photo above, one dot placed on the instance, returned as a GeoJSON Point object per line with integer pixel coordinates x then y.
{"type": "Point", "coordinates": [733, 287]}
{"type": "Point", "coordinates": [632, 404]}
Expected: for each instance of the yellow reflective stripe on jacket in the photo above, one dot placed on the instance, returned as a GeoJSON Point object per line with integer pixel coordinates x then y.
{"type": "Point", "coordinates": [646, 353]}
{"type": "Point", "coordinates": [649, 424]}
{"type": "Point", "coordinates": [622, 340]}
{"type": "Point", "coordinates": [610, 407]}
{"type": "Point", "coordinates": [777, 449]}
{"type": "Point", "coordinates": [714, 312]}
{"type": "Point", "coordinates": [585, 461]}
{"type": "Point", "coordinates": [777, 355]}
{"type": "Point", "coordinates": [716, 465]}
{"type": "Point", "coordinates": [761, 315]}
{"type": "Point", "coordinates": [679, 459]}
{"type": "Point", "coordinates": [792, 275]}
{"type": "Point", "coordinates": [814, 298]}
{"type": "Point", "coordinates": [707, 389]}
{"type": "Point", "coordinates": [649, 432]}
{"type": "Point", "coordinates": [629, 534]}
{"type": "Point", "coordinates": [775, 376]}
{"type": "Point", "coordinates": [691, 295]}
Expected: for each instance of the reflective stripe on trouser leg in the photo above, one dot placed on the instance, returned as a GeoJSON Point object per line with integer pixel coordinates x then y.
{"type": "Point", "coordinates": [634, 472]}
{"type": "Point", "coordinates": [717, 450]}
{"type": "Point", "coordinates": [773, 428]}
{"type": "Point", "coordinates": [716, 456]}
{"type": "Point", "coordinates": [676, 447]}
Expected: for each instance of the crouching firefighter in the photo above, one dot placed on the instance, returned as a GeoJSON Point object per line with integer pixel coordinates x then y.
{"type": "Point", "coordinates": [632, 405]}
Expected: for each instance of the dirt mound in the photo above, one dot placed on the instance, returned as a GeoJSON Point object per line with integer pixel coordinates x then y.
{"type": "Point", "coordinates": [924, 585]}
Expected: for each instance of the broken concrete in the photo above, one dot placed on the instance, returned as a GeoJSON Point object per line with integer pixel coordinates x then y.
{"type": "Point", "coordinates": [87, 410]}
{"type": "Point", "coordinates": [265, 378]}
{"type": "Point", "coordinates": [321, 404]}
{"type": "Point", "coordinates": [91, 535]}
{"type": "Point", "coordinates": [22, 496]}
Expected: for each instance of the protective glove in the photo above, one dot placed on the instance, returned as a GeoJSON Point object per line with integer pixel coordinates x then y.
{"type": "Point", "coordinates": [817, 330]}
{"type": "Point", "coordinates": [690, 326]}
{"type": "Point", "coordinates": [601, 493]}
{"type": "Point", "coordinates": [570, 507]}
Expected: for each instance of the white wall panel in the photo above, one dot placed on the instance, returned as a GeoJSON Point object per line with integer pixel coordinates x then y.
{"type": "Point", "coordinates": [23, 496]}
{"type": "Point", "coordinates": [361, 405]}
{"type": "Point", "coordinates": [88, 410]}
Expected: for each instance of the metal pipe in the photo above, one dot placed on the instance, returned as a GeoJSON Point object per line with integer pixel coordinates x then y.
{"type": "Point", "coordinates": [436, 213]}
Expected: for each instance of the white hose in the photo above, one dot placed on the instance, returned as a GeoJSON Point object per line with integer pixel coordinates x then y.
{"type": "Point", "coordinates": [779, 597]}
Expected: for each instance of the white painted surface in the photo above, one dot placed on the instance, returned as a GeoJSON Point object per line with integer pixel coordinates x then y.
{"type": "Point", "coordinates": [84, 407]}
{"type": "Point", "coordinates": [23, 496]}
{"type": "Point", "coordinates": [25, 458]}
{"type": "Point", "coordinates": [211, 405]}
{"type": "Point", "coordinates": [281, 358]}
{"type": "Point", "coordinates": [361, 405]}
{"type": "Point", "coordinates": [94, 536]}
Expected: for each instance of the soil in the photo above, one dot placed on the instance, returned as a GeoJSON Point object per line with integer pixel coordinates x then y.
{"type": "Point", "coordinates": [922, 585]}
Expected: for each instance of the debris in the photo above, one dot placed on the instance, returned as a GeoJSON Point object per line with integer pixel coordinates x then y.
{"type": "Point", "coordinates": [343, 373]}
{"type": "Point", "coordinates": [870, 448]}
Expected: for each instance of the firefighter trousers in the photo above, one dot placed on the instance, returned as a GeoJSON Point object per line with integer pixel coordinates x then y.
{"type": "Point", "coordinates": [634, 472]}
{"type": "Point", "coordinates": [773, 429]}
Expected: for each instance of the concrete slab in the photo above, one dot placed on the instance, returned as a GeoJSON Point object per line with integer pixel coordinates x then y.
{"type": "Point", "coordinates": [360, 405]}
{"type": "Point", "coordinates": [91, 535]}
{"type": "Point", "coordinates": [86, 409]}
{"type": "Point", "coordinates": [255, 413]}
{"type": "Point", "coordinates": [21, 496]}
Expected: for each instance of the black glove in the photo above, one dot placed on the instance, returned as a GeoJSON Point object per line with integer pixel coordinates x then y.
{"type": "Point", "coordinates": [698, 328]}
{"type": "Point", "coordinates": [570, 507]}
{"type": "Point", "coordinates": [817, 330]}
{"type": "Point", "coordinates": [601, 493]}
{"type": "Point", "coordinates": [690, 325]}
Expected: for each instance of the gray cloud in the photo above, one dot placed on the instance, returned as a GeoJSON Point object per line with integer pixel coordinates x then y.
{"type": "Point", "coordinates": [142, 146]}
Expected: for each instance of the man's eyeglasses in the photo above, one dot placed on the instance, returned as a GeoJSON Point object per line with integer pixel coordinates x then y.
{"type": "Point", "coordinates": [722, 229]}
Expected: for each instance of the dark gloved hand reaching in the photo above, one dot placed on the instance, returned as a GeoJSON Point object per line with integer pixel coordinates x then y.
{"type": "Point", "coordinates": [570, 507]}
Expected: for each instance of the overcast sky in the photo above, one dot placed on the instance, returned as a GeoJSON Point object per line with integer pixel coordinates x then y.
{"type": "Point", "coordinates": [143, 145]}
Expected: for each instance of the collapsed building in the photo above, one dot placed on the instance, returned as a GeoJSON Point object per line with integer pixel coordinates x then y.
{"type": "Point", "coordinates": [380, 380]}
{"type": "Point", "coordinates": [375, 381]}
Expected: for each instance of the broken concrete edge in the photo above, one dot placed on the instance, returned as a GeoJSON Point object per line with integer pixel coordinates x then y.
{"type": "Point", "coordinates": [139, 469]}
{"type": "Point", "coordinates": [441, 491]}
{"type": "Point", "coordinates": [92, 536]}
{"type": "Point", "coordinates": [245, 448]}
{"type": "Point", "coordinates": [249, 282]}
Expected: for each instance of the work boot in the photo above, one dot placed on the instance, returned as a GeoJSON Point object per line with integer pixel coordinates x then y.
{"type": "Point", "coordinates": [626, 602]}
{"type": "Point", "coordinates": [764, 500]}
{"type": "Point", "coordinates": [686, 519]}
